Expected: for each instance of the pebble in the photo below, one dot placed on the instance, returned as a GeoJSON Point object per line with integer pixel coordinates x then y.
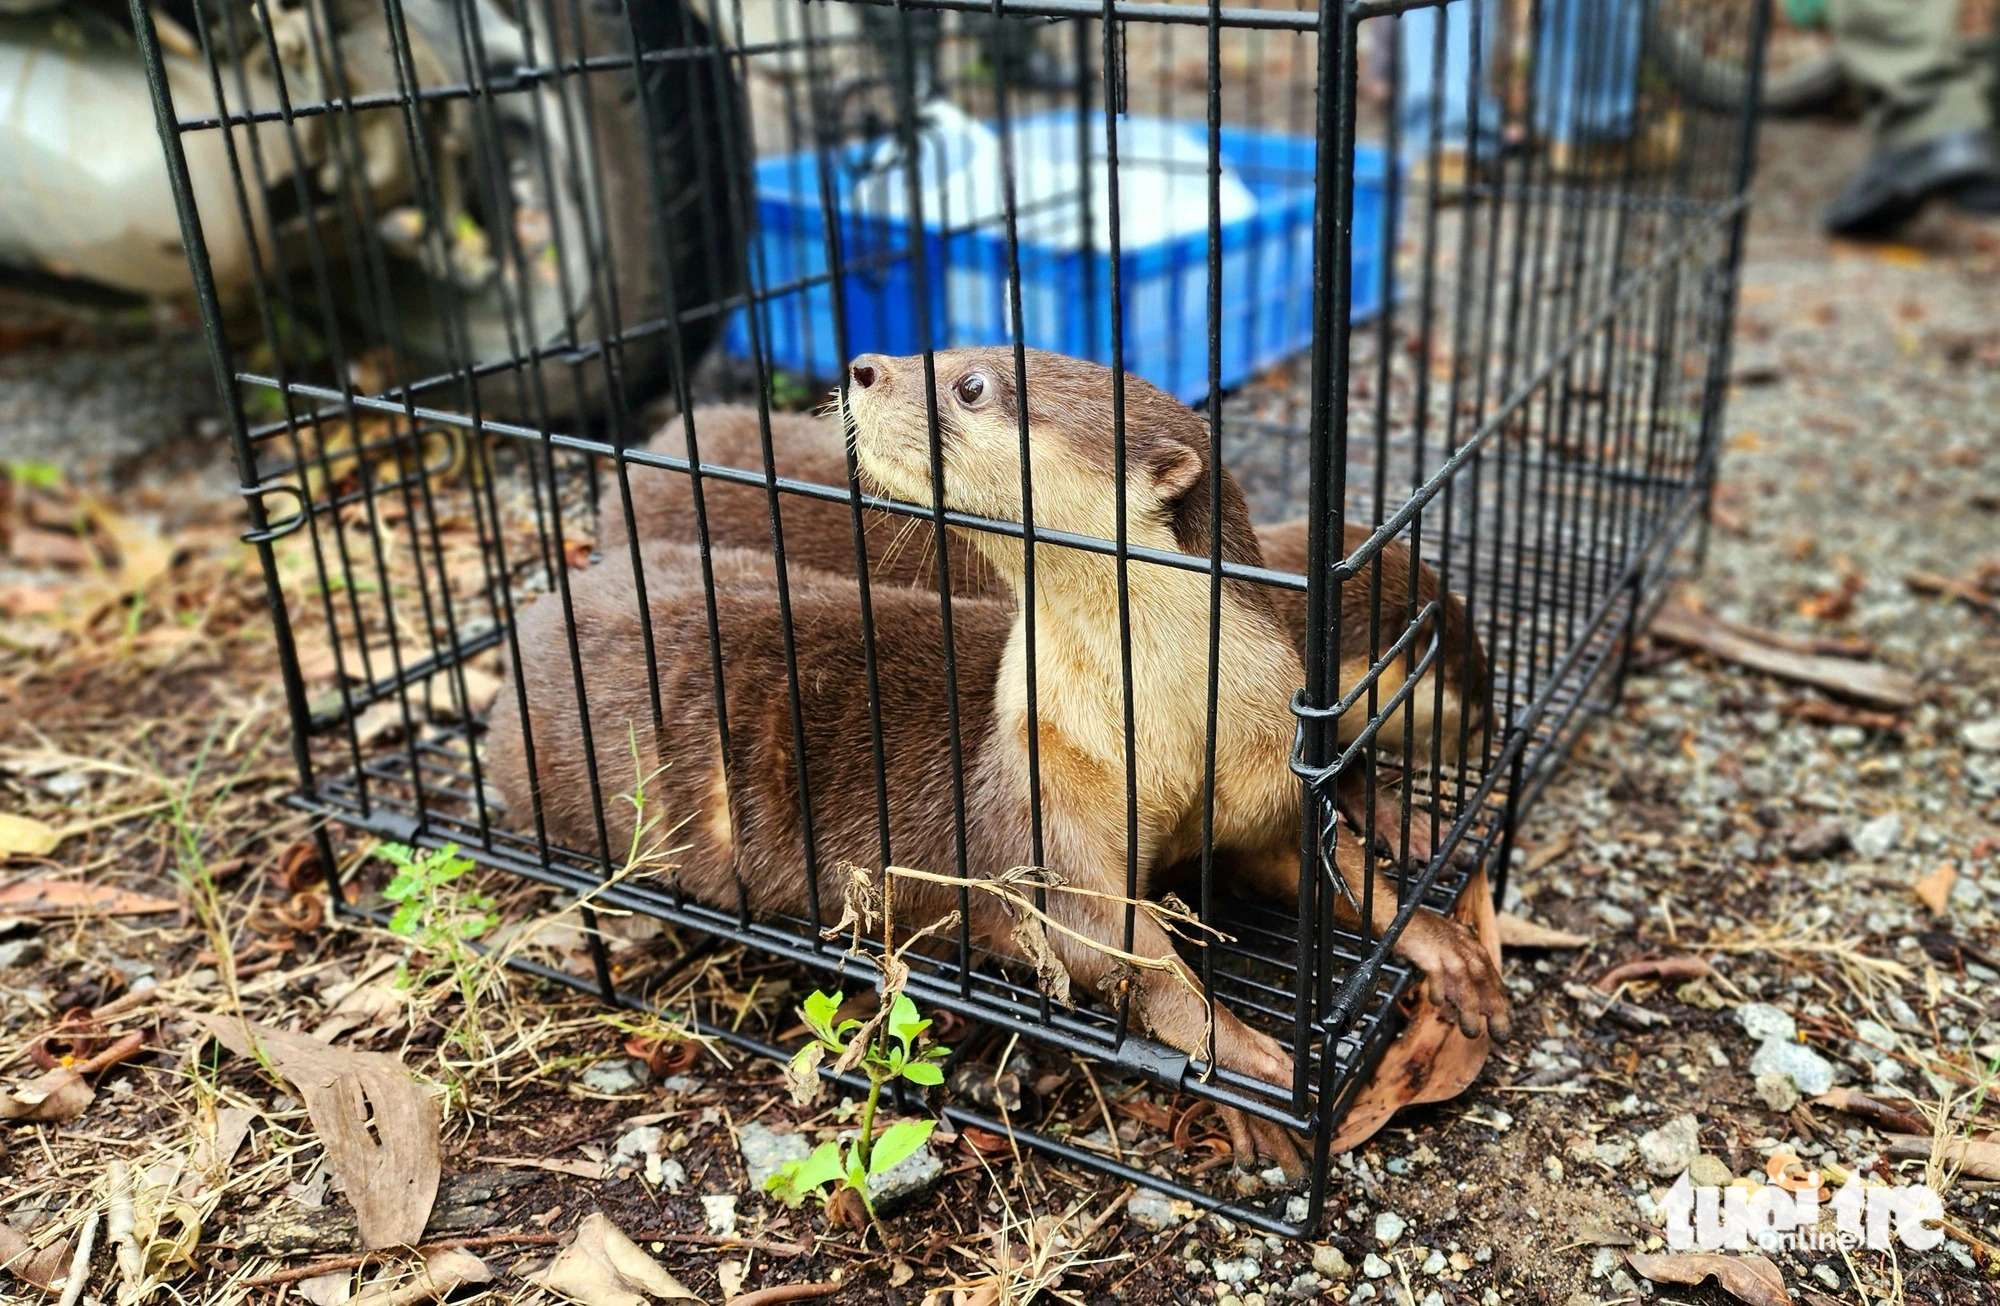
{"type": "Point", "coordinates": [1615, 916]}
{"type": "Point", "coordinates": [618, 1075]}
{"type": "Point", "coordinates": [1777, 1092]}
{"type": "Point", "coordinates": [1879, 837]}
{"type": "Point", "coordinates": [1810, 1073]}
{"type": "Point", "coordinates": [1388, 1228]}
{"type": "Point", "coordinates": [1330, 1264]}
{"type": "Point", "coordinates": [905, 1181]}
{"type": "Point", "coordinates": [1304, 1286]}
{"type": "Point", "coordinates": [1709, 1172]}
{"type": "Point", "coordinates": [1241, 1270]}
{"type": "Point", "coordinates": [1827, 1275]}
{"type": "Point", "coordinates": [1434, 1263]}
{"type": "Point", "coordinates": [1671, 1148]}
{"type": "Point", "coordinates": [20, 952]}
{"type": "Point", "coordinates": [1603, 1263]}
{"type": "Point", "coordinates": [765, 1151]}
{"type": "Point", "coordinates": [1872, 1042]}
{"type": "Point", "coordinates": [1374, 1266]}
{"type": "Point", "coordinates": [1821, 840]}
{"type": "Point", "coordinates": [719, 1209]}
{"type": "Point", "coordinates": [1151, 1210]}
{"type": "Point", "coordinates": [1982, 736]}
{"type": "Point", "coordinates": [1615, 1154]}
{"type": "Point", "coordinates": [635, 1145]}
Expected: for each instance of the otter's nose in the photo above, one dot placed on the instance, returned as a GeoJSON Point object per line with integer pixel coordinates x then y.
{"type": "Point", "coordinates": [866, 370]}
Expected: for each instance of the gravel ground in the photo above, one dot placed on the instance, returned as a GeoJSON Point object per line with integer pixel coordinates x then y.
{"type": "Point", "coordinates": [1862, 446]}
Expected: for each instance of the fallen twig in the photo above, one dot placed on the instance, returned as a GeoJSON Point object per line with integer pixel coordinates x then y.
{"type": "Point", "coordinates": [1929, 582]}
{"type": "Point", "coordinates": [1654, 968]}
{"type": "Point", "coordinates": [355, 1260]}
{"type": "Point", "coordinates": [785, 1292]}
{"type": "Point", "coordinates": [1870, 682]}
{"type": "Point", "coordinates": [79, 1266]}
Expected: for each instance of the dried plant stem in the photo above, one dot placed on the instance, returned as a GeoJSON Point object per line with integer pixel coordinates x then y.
{"type": "Point", "coordinates": [79, 1264]}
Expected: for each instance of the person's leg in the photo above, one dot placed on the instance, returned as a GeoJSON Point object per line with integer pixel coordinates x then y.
{"type": "Point", "coordinates": [1928, 109]}
{"type": "Point", "coordinates": [1587, 70]}
{"type": "Point", "coordinates": [1907, 55]}
{"type": "Point", "coordinates": [1431, 102]}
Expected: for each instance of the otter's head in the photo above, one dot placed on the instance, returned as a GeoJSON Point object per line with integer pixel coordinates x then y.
{"type": "Point", "coordinates": [1073, 450]}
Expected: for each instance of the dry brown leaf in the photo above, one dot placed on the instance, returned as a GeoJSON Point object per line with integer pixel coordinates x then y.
{"type": "Point", "coordinates": [19, 1258]}
{"type": "Point", "coordinates": [330, 1289]}
{"type": "Point", "coordinates": [143, 554]}
{"type": "Point", "coordinates": [591, 1170]}
{"type": "Point", "coordinates": [76, 898]}
{"type": "Point", "coordinates": [379, 1127]}
{"type": "Point", "coordinates": [216, 1146]}
{"type": "Point", "coordinates": [1934, 890]}
{"type": "Point", "coordinates": [61, 1094]}
{"type": "Point", "coordinates": [1520, 932]}
{"type": "Point", "coordinates": [1431, 1060]}
{"type": "Point", "coordinates": [1753, 1279]}
{"type": "Point", "coordinates": [440, 1274]}
{"type": "Point", "coordinates": [377, 1005]}
{"type": "Point", "coordinates": [1975, 1159]}
{"type": "Point", "coordinates": [1897, 1115]}
{"type": "Point", "coordinates": [480, 689]}
{"type": "Point", "coordinates": [35, 547]}
{"type": "Point", "coordinates": [603, 1267]}
{"type": "Point", "coordinates": [24, 836]}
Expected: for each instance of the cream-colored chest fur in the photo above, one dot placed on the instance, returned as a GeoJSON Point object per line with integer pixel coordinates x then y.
{"type": "Point", "coordinates": [1081, 713]}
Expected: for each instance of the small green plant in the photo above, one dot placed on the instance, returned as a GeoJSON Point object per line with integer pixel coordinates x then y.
{"type": "Point", "coordinates": [886, 1049]}
{"type": "Point", "coordinates": [442, 920]}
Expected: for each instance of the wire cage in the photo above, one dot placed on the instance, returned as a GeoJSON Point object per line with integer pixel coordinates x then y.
{"type": "Point", "coordinates": [505, 297]}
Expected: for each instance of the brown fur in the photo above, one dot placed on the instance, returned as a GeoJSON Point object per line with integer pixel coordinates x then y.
{"type": "Point", "coordinates": [757, 837]}
{"type": "Point", "coordinates": [818, 533]}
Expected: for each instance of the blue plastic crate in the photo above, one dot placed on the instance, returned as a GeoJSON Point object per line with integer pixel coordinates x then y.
{"type": "Point", "coordinates": [1065, 289]}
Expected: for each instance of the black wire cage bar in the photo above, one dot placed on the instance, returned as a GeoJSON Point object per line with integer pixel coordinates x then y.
{"type": "Point", "coordinates": [516, 304]}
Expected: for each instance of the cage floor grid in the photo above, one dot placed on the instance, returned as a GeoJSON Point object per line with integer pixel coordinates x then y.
{"type": "Point", "coordinates": [1547, 680]}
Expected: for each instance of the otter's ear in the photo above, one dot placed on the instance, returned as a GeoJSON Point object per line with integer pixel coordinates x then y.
{"type": "Point", "coordinates": [1176, 469]}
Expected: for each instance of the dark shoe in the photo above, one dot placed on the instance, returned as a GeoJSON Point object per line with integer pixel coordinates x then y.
{"type": "Point", "coordinates": [1895, 184]}
{"type": "Point", "coordinates": [1979, 197]}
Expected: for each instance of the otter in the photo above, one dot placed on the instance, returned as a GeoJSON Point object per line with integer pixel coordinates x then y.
{"type": "Point", "coordinates": [819, 537]}
{"type": "Point", "coordinates": [743, 830]}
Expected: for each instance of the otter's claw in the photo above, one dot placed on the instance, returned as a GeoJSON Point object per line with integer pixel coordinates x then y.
{"type": "Point", "coordinates": [1459, 975]}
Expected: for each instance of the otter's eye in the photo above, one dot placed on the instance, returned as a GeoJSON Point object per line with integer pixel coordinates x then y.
{"type": "Point", "coordinates": [970, 389]}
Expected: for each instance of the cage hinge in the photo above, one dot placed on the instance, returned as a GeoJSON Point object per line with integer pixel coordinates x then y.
{"type": "Point", "coordinates": [275, 530]}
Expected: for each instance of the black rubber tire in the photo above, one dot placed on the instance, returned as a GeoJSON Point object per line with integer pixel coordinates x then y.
{"type": "Point", "coordinates": [694, 125]}
{"type": "Point", "coordinates": [699, 128]}
{"type": "Point", "coordinates": [1808, 86]}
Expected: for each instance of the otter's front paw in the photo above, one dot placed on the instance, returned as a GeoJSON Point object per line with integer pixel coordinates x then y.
{"type": "Point", "coordinates": [1459, 974]}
